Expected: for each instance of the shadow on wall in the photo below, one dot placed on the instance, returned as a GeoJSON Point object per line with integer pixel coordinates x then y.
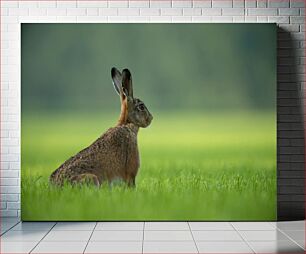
{"type": "Point", "coordinates": [290, 131]}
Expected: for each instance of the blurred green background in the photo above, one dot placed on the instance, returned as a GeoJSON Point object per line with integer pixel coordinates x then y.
{"type": "Point", "coordinates": [210, 152]}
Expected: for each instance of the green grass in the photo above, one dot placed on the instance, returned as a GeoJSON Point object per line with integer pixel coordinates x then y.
{"type": "Point", "coordinates": [193, 167]}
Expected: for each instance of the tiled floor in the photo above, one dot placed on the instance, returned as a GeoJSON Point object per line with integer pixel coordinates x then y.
{"type": "Point", "coordinates": [152, 237]}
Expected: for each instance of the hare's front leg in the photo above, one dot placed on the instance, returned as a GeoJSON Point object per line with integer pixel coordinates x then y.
{"type": "Point", "coordinates": [86, 178]}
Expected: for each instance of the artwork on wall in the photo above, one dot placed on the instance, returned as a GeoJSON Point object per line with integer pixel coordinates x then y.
{"type": "Point", "coordinates": [132, 122]}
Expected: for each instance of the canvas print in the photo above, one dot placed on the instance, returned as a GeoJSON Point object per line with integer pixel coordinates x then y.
{"type": "Point", "coordinates": [156, 122]}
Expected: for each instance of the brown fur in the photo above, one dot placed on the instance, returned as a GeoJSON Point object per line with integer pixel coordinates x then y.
{"type": "Point", "coordinates": [112, 157]}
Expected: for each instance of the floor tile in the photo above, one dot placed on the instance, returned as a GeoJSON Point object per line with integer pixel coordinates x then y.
{"type": "Point", "coordinates": [223, 247]}
{"type": "Point", "coordinates": [69, 236]}
{"type": "Point", "coordinates": [114, 247]}
{"type": "Point", "coordinates": [166, 226]}
{"type": "Point", "coordinates": [33, 226]}
{"type": "Point", "coordinates": [291, 225]}
{"type": "Point", "coordinates": [274, 235]}
{"type": "Point", "coordinates": [297, 235]}
{"type": "Point", "coordinates": [60, 247]}
{"type": "Point", "coordinates": [23, 236]}
{"type": "Point", "coordinates": [276, 247]}
{"type": "Point", "coordinates": [63, 226]}
{"type": "Point", "coordinates": [7, 225]}
{"type": "Point", "coordinates": [17, 247]}
{"type": "Point", "coordinates": [252, 226]}
{"type": "Point", "coordinates": [99, 236]}
{"type": "Point", "coordinates": [169, 247]}
{"type": "Point", "coordinates": [168, 236]}
{"type": "Point", "coordinates": [216, 236]}
{"type": "Point", "coordinates": [119, 226]}
{"type": "Point", "coordinates": [211, 226]}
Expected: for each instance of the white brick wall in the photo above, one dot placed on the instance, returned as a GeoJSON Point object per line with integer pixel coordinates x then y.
{"type": "Point", "coordinates": [290, 14]}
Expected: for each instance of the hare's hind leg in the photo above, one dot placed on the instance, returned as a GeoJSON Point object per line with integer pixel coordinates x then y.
{"type": "Point", "coordinates": [86, 178]}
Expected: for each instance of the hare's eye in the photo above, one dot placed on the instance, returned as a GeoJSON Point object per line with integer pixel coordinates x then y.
{"type": "Point", "coordinates": [141, 107]}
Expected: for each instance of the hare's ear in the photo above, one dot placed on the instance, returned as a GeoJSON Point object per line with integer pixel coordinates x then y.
{"type": "Point", "coordinates": [117, 79]}
{"type": "Point", "coordinates": [127, 84]}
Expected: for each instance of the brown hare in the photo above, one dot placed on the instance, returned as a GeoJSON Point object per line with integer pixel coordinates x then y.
{"type": "Point", "coordinates": [113, 156]}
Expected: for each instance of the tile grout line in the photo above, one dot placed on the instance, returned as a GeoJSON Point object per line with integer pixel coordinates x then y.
{"type": "Point", "coordinates": [290, 238]}
{"type": "Point", "coordinates": [143, 231]}
{"type": "Point", "coordinates": [10, 228]}
{"type": "Point", "coordinates": [90, 236]}
{"type": "Point", "coordinates": [193, 237]}
{"type": "Point", "coordinates": [42, 238]}
{"type": "Point", "coordinates": [247, 243]}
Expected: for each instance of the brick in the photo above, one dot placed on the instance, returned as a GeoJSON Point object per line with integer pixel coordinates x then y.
{"type": "Point", "coordinates": [211, 11]}
{"type": "Point", "coordinates": [233, 11]}
{"type": "Point", "coordinates": [57, 12]}
{"type": "Point", "coordinates": [14, 166]}
{"type": "Point", "coordinates": [2, 206]}
{"type": "Point", "coordinates": [76, 11]}
{"type": "Point", "coordinates": [297, 142]}
{"type": "Point", "coordinates": [118, 4]}
{"type": "Point", "coordinates": [262, 4]}
{"type": "Point", "coordinates": [160, 19]}
{"type": "Point", "coordinates": [138, 19]}
{"type": "Point", "coordinates": [10, 189]}
{"type": "Point", "coordinates": [291, 134]}
{"type": "Point", "coordinates": [181, 19]}
{"type": "Point", "coordinates": [91, 4]}
{"type": "Point", "coordinates": [250, 3]}
{"type": "Point", "coordinates": [181, 3]}
{"type": "Point", "coordinates": [297, 20]}
{"type": "Point", "coordinates": [150, 12]}
{"type": "Point", "coordinates": [18, 12]}
{"type": "Point", "coordinates": [238, 19]}
{"type": "Point", "coordinates": [291, 198]}
{"type": "Point", "coordinates": [291, 150]}
{"type": "Point", "coordinates": [291, 190]}
{"type": "Point", "coordinates": [9, 173]}
{"type": "Point", "coordinates": [92, 11]}
{"type": "Point", "coordinates": [13, 205]}
{"type": "Point", "coordinates": [171, 11]}
{"type": "Point", "coordinates": [202, 3]}
{"type": "Point", "coordinates": [222, 4]}
{"type": "Point", "coordinates": [128, 11]}
{"type": "Point", "coordinates": [249, 19]}
{"type": "Point", "coordinates": [139, 4]}
{"type": "Point", "coordinates": [289, 28]}
{"type": "Point", "coordinates": [91, 19]}
{"type": "Point", "coordinates": [289, 11]}
{"type": "Point", "coordinates": [201, 19]}
{"type": "Point", "coordinates": [160, 4]}
{"type": "Point", "coordinates": [278, 3]}
{"type": "Point", "coordinates": [108, 11]}
{"type": "Point", "coordinates": [47, 4]}
{"type": "Point", "coordinates": [297, 3]}
{"type": "Point", "coordinates": [279, 19]}
{"type": "Point", "coordinates": [38, 11]}
{"type": "Point", "coordinates": [66, 4]}
{"type": "Point", "coordinates": [291, 174]}
{"type": "Point", "coordinates": [192, 11]}
{"type": "Point", "coordinates": [222, 19]}
{"type": "Point", "coordinates": [9, 213]}
{"type": "Point", "coordinates": [262, 19]}
{"type": "Point", "coordinates": [8, 181]}
{"type": "Point", "coordinates": [9, 4]}
{"type": "Point", "coordinates": [291, 182]}
{"type": "Point", "coordinates": [262, 12]}
{"type": "Point", "coordinates": [9, 197]}
{"type": "Point", "coordinates": [238, 3]}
